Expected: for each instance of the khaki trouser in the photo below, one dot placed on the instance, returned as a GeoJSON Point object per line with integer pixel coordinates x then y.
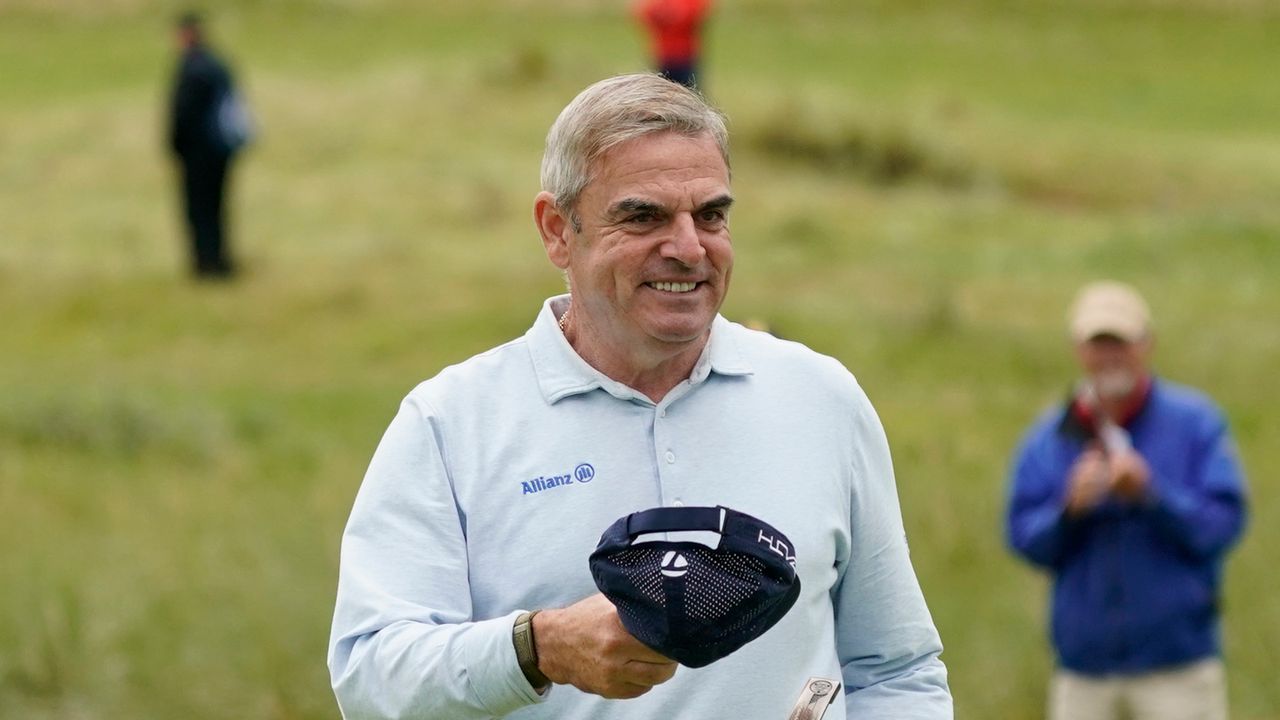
{"type": "Point", "coordinates": [1197, 691]}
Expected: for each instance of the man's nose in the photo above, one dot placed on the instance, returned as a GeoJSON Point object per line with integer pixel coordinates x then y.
{"type": "Point", "coordinates": [683, 244]}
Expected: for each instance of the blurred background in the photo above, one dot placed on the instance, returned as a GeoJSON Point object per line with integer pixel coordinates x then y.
{"type": "Point", "coordinates": [921, 188]}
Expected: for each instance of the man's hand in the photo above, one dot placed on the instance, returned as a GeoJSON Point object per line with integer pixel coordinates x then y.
{"type": "Point", "coordinates": [1130, 475]}
{"type": "Point", "coordinates": [1089, 483]}
{"type": "Point", "coordinates": [586, 646]}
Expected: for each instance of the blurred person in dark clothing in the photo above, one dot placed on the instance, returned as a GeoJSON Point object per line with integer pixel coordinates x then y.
{"type": "Point", "coordinates": [675, 29]}
{"type": "Point", "coordinates": [1129, 495]}
{"type": "Point", "coordinates": [206, 129]}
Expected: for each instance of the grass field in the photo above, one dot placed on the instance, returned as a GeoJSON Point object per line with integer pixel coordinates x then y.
{"type": "Point", "coordinates": [921, 187]}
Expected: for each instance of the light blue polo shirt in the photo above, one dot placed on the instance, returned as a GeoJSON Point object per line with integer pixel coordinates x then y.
{"type": "Point", "coordinates": [495, 480]}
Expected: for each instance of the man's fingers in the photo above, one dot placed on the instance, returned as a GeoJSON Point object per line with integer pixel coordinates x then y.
{"type": "Point", "coordinates": [647, 673]}
{"type": "Point", "coordinates": [625, 691]}
{"type": "Point", "coordinates": [639, 652]}
{"type": "Point", "coordinates": [633, 649]}
{"type": "Point", "coordinates": [639, 678]}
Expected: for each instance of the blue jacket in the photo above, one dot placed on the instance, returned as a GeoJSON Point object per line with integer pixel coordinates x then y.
{"type": "Point", "coordinates": [1135, 585]}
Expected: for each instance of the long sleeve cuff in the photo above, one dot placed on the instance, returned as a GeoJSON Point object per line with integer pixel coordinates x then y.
{"type": "Point", "coordinates": [496, 678]}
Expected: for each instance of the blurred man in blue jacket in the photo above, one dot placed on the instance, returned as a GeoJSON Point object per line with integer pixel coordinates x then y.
{"type": "Point", "coordinates": [1130, 496]}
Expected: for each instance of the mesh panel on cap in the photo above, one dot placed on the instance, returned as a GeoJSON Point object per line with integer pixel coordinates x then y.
{"type": "Point", "coordinates": [717, 584]}
{"type": "Point", "coordinates": [640, 565]}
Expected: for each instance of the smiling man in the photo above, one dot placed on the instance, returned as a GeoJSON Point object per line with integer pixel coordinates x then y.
{"type": "Point", "coordinates": [465, 590]}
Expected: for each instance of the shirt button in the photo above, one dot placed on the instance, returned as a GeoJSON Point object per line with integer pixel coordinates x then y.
{"type": "Point", "coordinates": [678, 503]}
{"type": "Point", "coordinates": [671, 457]}
{"type": "Point", "coordinates": [662, 413]}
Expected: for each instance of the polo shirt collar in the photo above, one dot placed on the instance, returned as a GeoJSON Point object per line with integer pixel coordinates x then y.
{"type": "Point", "coordinates": [562, 372]}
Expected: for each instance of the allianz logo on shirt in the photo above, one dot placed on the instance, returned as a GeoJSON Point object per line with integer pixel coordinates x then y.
{"type": "Point", "coordinates": [583, 473]}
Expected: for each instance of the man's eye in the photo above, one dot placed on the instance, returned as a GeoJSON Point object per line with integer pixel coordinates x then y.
{"type": "Point", "coordinates": [713, 216]}
{"type": "Point", "coordinates": [642, 218]}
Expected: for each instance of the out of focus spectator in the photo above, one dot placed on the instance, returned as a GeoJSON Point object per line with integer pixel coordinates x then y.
{"type": "Point", "coordinates": [675, 31]}
{"type": "Point", "coordinates": [1129, 495]}
{"type": "Point", "coordinates": [208, 126]}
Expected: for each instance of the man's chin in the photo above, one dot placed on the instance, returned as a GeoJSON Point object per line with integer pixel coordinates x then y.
{"type": "Point", "coordinates": [1114, 385]}
{"type": "Point", "coordinates": [680, 332]}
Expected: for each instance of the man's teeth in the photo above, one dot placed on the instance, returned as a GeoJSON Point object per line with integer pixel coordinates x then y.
{"type": "Point", "coordinates": [673, 287]}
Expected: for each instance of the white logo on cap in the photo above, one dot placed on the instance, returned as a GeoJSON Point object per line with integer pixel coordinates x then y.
{"type": "Point", "coordinates": [778, 546]}
{"type": "Point", "coordinates": [674, 564]}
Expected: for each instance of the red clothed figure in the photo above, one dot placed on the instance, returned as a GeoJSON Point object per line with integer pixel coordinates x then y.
{"type": "Point", "coordinates": [675, 30]}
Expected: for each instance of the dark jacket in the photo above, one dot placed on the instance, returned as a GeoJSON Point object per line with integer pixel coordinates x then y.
{"type": "Point", "coordinates": [1136, 586]}
{"type": "Point", "coordinates": [201, 82]}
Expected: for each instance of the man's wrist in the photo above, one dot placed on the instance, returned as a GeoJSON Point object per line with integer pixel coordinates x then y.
{"type": "Point", "coordinates": [527, 652]}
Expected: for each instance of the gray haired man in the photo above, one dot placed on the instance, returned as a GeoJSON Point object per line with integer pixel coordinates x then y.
{"type": "Point", "coordinates": [465, 590]}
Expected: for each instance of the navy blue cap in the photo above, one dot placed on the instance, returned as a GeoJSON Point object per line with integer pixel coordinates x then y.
{"type": "Point", "coordinates": [693, 603]}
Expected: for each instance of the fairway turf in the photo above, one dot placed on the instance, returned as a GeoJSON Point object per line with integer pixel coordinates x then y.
{"type": "Point", "coordinates": [920, 189]}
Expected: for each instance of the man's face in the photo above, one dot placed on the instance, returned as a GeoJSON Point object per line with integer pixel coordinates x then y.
{"type": "Point", "coordinates": [1114, 365]}
{"type": "Point", "coordinates": [651, 263]}
{"type": "Point", "coordinates": [186, 36]}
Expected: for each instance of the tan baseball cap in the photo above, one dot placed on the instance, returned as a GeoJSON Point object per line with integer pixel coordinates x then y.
{"type": "Point", "coordinates": [1109, 308]}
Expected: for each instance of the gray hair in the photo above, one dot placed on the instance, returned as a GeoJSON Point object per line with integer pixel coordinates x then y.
{"type": "Point", "coordinates": [612, 112]}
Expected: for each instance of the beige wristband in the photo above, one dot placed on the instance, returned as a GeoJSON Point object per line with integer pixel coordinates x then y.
{"type": "Point", "coordinates": [527, 652]}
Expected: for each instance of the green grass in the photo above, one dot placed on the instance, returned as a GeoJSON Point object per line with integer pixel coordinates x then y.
{"type": "Point", "coordinates": [921, 188]}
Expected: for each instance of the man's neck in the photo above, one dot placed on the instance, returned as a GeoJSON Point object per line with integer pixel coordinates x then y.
{"type": "Point", "coordinates": [653, 371]}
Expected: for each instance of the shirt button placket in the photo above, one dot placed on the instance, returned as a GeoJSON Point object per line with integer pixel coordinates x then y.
{"type": "Point", "coordinates": [670, 488]}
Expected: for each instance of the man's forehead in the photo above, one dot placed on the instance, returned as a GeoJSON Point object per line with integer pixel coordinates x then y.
{"type": "Point", "coordinates": [668, 153]}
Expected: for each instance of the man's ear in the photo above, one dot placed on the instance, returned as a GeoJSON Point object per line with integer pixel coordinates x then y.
{"type": "Point", "coordinates": [555, 227]}
{"type": "Point", "coordinates": [1148, 344]}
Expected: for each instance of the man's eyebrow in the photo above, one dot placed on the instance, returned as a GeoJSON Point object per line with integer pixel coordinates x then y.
{"type": "Point", "coordinates": [630, 205]}
{"type": "Point", "coordinates": [719, 203]}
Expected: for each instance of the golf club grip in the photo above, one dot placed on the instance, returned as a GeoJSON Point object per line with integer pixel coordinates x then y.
{"type": "Point", "coordinates": [1115, 440]}
{"type": "Point", "coordinates": [815, 698]}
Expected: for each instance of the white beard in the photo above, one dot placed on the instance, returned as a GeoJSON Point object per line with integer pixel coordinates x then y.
{"type": "Point", "coordinates": [1114, 384]}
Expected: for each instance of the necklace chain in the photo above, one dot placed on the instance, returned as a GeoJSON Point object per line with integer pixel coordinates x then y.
{"type": "Point", "coordinates": [564, 318]}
